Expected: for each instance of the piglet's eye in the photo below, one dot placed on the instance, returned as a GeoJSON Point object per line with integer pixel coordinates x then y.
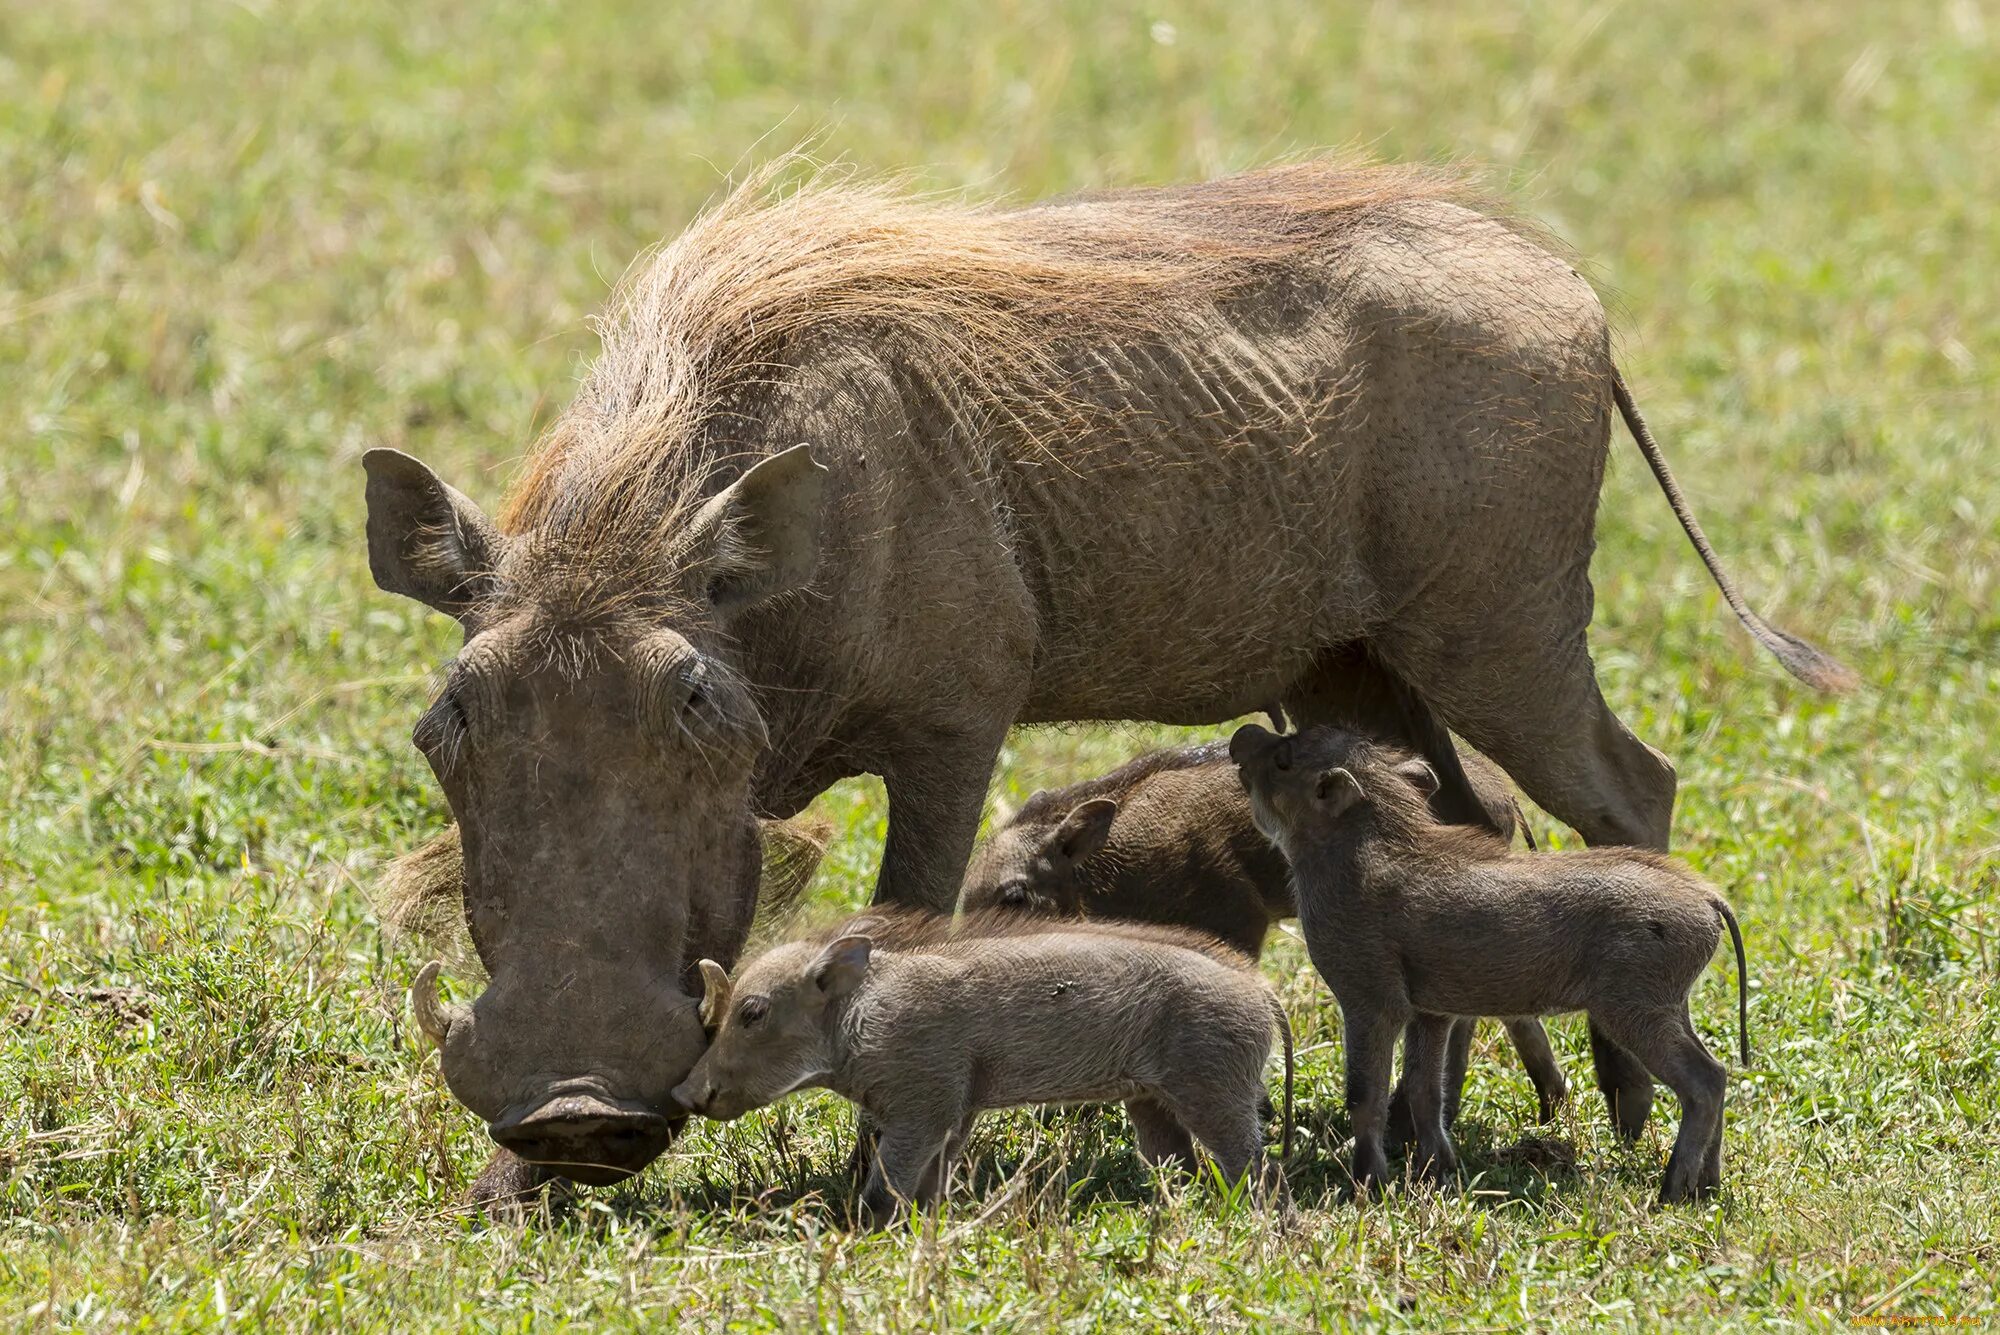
{"type": "Point", "coordinates": [752, 1010]}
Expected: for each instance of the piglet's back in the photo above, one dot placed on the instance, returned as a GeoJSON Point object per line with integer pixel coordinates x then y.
{"type": "Point", "coordinates": [910, 931]}
{"type": "Point", "coordinates": [1062, 1014]}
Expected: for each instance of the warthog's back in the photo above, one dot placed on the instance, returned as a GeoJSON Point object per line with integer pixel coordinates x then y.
{"type": "Point", "coordinates": [1422, 405]}
{"type": "Point", "coordinates": [1168, 443]}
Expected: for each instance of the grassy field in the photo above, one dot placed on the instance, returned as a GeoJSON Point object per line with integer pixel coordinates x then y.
{"type": "Point", "coordinates": [240, 243]}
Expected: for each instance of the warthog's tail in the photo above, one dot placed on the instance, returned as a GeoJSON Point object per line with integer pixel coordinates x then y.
{"type": "Point", "coordinates": [1807, 662]}
{"type": "Point", "coordinates": [1742, 982]}
{"type": "Point", "coordinates": [1285, 1028]}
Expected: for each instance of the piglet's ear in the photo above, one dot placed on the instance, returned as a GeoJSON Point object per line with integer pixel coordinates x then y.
{"type": "Point", "coordinates": [1248, 742]}
{"type": "Point", "coordinates": [842, 965]}
{"type": "Point", "coordinates": [1419, 775]}
{"type": "Point", "coordinates": [1085, 829]}
{"type": "Point", "coordinates": [1337, 788]}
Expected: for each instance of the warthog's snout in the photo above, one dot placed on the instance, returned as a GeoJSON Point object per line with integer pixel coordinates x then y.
{"type": "Point", "coordinates": [587, 1137]}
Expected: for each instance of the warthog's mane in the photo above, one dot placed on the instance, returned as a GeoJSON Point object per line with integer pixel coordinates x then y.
{"type": "Point", "coordinates": [987, 305]}
{"type": "Point", "coordinates": [1052, 804]}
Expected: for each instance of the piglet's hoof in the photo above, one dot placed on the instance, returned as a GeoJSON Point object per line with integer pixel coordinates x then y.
{"type": "Point", "coordinates": [1400, 1131]}
{"type": "Point", "coordinates": [508, 1187]}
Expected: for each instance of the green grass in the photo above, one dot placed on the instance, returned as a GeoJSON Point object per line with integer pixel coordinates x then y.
{"type": "Point", "coordinates": [241, 243]}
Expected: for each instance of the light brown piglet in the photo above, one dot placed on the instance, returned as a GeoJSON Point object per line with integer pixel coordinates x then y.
{"type": "Point", "coordinates": [925, 1026]}
{"type": "Point", "coordinates": [1409, 919]}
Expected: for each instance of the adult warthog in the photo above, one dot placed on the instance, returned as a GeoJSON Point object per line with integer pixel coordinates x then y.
{"type": "Point", "coordinates": [859, 482]}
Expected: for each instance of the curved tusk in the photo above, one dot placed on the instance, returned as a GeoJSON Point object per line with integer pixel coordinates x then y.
{"type": "Point", "coordinates": [714, 993]}
{"type": "Point", "coordinates": [434, 1017]}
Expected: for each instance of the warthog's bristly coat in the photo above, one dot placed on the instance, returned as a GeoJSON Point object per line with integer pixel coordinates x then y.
{"type": "Point", "coordinates": [862, 480]}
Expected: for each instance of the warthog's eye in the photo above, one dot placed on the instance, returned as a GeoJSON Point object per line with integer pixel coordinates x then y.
{"type": "Point", "coordinates": [1014, 893]}
{"type": "Point", "coordinates": [443, 728]}
{"type": "Point", "coordinates": [752, 1010]}
{"type": "Point", "coordinates": [687, 694]}
{"type": "Point", "coordinates": [689, 698]}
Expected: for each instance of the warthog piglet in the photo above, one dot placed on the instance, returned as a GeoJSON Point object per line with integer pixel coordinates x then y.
{"type": "Point", "coordinates": [925, 1027]}
{"type": "Point", "coordinates": [1167, 838]}
{"type": "Point", "coordinates": [1409, 919]}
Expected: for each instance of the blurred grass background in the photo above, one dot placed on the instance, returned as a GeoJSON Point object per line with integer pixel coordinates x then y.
{"type": "Point", "coordinates": [240, 243]}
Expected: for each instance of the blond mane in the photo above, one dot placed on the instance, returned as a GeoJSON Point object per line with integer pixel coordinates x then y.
{"type": "Point", "coordinates": [983, 301]}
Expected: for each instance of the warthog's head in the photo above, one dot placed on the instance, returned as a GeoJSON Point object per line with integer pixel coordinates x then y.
{"type": "Point", "coordinates": [1302, 784]}
{"type": "Point", "coordinates": [773, 1027]}
{"type": "Point", "coordinates": [597, 754]}
{"type": "Point", "coordinates": [1033, 863]}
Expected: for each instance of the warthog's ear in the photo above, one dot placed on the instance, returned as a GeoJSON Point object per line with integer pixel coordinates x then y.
{"type": "Point", "coordinates": [1085, 829]}
{"type": "Point", "coordinates": [1338, 789]}
{"type": "Point", "coordinates": [1417, 772]}
{"type": "Point", "coordinates": [425, 540]}
{"type": "Point", "coordinates": [840, 967]}
{"type": "Point", "coordinates": [760, 534]}
{"type": "Point", "coordinates": [715, 989]}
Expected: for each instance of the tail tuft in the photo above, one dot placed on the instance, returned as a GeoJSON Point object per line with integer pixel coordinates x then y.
{"type": "Point", "coordinates": [1809, 663]}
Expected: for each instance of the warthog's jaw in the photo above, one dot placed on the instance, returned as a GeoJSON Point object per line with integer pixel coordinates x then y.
{"type": "Point", "coordinates": [583, 1133]}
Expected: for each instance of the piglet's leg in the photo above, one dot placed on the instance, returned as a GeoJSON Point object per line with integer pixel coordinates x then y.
{"type": "Point", "coordinates": [1163, 1142]}
{"type": "Point", "coordinates": [938, 1181]}
{"type": "Point", "coordinates": [1539, 1059]}
{"type": "Point", "coordinates": [1371, 1057]}
{"type": "Point", "coordinates": [1669, 1047]}
{"type": "Point", "coordinates": [1457, 1057]}
{"type": "Point", "coordinates": [1234, 1136]}
{"type": "Point", "coordinates": [1426, 1073]}
{"type": "Point", "coordinates": [906, 1170]}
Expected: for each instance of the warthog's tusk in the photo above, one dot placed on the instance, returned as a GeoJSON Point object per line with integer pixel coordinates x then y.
{"type": "Point", "coordinates": [714, 993]}
{"type": "Point", "coordinates": [434, 1017]}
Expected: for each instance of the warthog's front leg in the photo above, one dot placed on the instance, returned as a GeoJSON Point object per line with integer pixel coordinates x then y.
{"type": "Point", "coordinates": [1457, 1057]}
{"type": "Point", "coordinates": [908, 1169]}
{"type": "Point", "coordinates": [937, 790]}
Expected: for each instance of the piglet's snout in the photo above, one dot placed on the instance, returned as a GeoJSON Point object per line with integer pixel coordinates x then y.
{"type": "Point", "coordinates": [1250, 742]}
{"type": "Point", "coordinates": [693, 1094]}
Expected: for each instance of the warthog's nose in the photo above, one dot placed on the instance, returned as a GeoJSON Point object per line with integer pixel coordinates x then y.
{"type": "Point", "coordinates": [585, 1137]}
